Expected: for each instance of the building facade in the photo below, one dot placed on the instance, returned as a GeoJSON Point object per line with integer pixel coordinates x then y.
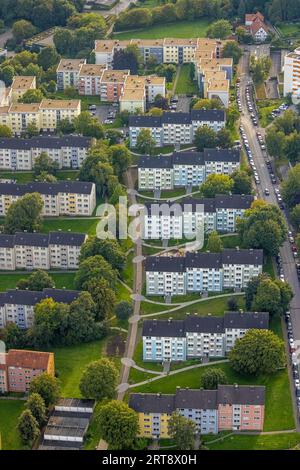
{"type": "Point", "coordinates": [202, 271]}
{"type": "Point", "coordinates": [19, 367]}
{"type": "Point", "coordinates": [20, 154]}
{"type": "Point", "coordinates": [175, 128]}
{"type": "Point", "coordinates": [55, 250]}
{"type": "Point", "coordinates": [230, 407]}
{"type": "Point", "coordinates": [291, 82]}
{"type": "Point", "coordinates": [17, 306]}
{"type": "Point", "coordinates": [185, 169]}
{"type": "Point", "coordinates": [60, 198]}
{"type": "Point", "coordinates": [197, 337]}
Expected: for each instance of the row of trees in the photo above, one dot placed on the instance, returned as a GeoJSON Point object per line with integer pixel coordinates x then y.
{"type": "Point", "coordinates": [283, 137]}
{"type": "Point", "coordinates": [237, 183]}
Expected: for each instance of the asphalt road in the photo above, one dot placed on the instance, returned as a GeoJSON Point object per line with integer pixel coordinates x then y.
{"type": "Point", "coordinates": [289, 268]}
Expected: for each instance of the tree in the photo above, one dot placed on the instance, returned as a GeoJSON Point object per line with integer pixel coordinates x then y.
{"type": "Point", "coordinates": [275, 141]}
{"type": "Point", "coordinates": [232, 49]}
{"type": "Point", "coordinates": [224, 138]}
{"type": "Point", "coordinates": [88, 125]}
{"type": "Point", "coordinates": [103, 296]}
{"type": "Point", "coordinates": [232, 304]}
{"type": "Point", "coordinates": [36, 405]}
{"type": "Point", "coordinates": [220, 29]}
{"type": "Point", "coordinates": [50, 322]}
{"type": "Point", "coordinates": [263, 227]}
{"type": "Point", "coordinates": [127, 59]}
{"type": "Point", "coordinates": [260, 68]}
{"type": "Point", "coordinates": [23, 29]}
{"type": "Point", "coordinates": [65, 126]}
{"type": "Point", "coordinates": [205, 137]}
{"type": "Point", "coordinates": [24, 214]}
{"type": "Point", "coordinates": [99, 380]}
{"type": "Point", "coordinates": [32, 96]}
{"type": "Point", "coordinates": [258, 352]}
{"type": "Point", "coordinates": [14, 337]}
{"type": "Point", "coordinates": [290, 187]}
{"type": "Point", "coordinates": [118, 424]}
{"type": "Point", "coordinates": [37, 281]}
{"type": "Point", "coordinates": [121, 159]}
{"type": "Point", "coordinates": [134, 18]}
{"type": "Point", "coordinates": [109, 249]}
{"type": "Point", "coordinates": [295, 217]}
{"type": "Point", "coordinates": [5, 131]}
{"type": "Point", "coordinates": [32, 130]}
{"type": "Point", "coordinates": [216, 184]}
{"type": "Point", "coordinates": [123, 310]}
{"type": "Point", "coordinates": [97, 168]}
{"type": "Point", "coordinates": [43, 163]}
{"type": "Point", "coordinates": [211, 378]}
{"type": "Point", "coordinates": [242, 183]}
{"type": "Point", "coordinates": [7, 73]}
{"type": "Point", "coordinates": [166, 70]}
{"type": "Point", "coordinates": [205, 103]}
{"type": "Point", "coordinates": [292, 147]}
{"type": "Point", "coordinates": [47, 387]}
{"type": "Point", "coordinates": [183, 431]}
{"type": "Point", "coordinates": [214, 243]}
{"type": "Point", "coordinates": [161, 102]}
{"type": "Point", "coordinates": [28, 427]}
{"type": "Point", "coordinates": [48, 57]}
{"type": "Point", "coordinates": [95, 267]}
{"type": "Point", "coordinates": [145, 143]}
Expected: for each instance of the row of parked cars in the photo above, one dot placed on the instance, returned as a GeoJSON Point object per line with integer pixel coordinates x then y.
{"type": "Point", "coordinates": [293, 357]}
{"type": "Point", "coordinates": [249, 155]}
{"type": "Point", "coordinates": [276, 112]}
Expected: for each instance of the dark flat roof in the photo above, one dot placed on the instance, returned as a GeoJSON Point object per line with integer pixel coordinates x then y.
{"type": "Point", "coordinates": [80, 187]}
{"type": "Point", "coordinates": [7, 241]}
{"type": "Point", "coordinates": [251, 256]}
{"type": "Point", "coordinates": [66, 238]}
{"type": "Point", "coordinates": [233, 201]}
{"type": "Point", "coordinates": [160, 161]}
{"type": "Point", "coordinates": [188, 158]}
{"type": "Point", "coordinates": [172, 329]}
{"type": "Point", "coordinates": [241, 395]}
{"type": "Point", "coordinates": [32, 239]}
{"type": "Point", "coordinates": [42, 239]}
{"type": "Point", "coordinates": [27, 297]}
{"type": "Point", "coordinates": [207, 324]}
{"type": "Point", "coordinates": [221, 155]}
{"type": "Point", "coordinates": [246, 320]}
{"type": "Point", "coordinates": [203, 260]}
{"type": "Point", "coordinates": [152, 403]}
{"type": "Point", "coordinates": [165, 263]}
{"type": "Point", "coordinates": [209, 115]}
{"type": "Point", "coordinates": [196, 399]}
{"type": "Point", "coordinates": [45, 142]}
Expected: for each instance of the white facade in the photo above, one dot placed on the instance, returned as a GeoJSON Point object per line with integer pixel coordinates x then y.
{"type": "Point", "coordinates": [291, 69]}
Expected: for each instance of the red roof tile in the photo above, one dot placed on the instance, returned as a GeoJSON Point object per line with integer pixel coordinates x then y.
{"type": "Point", "coordinates": [27, 359]}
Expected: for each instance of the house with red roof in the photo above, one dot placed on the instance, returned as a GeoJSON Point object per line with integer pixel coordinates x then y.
{"type": "Point", "coordinates": [255, 25]}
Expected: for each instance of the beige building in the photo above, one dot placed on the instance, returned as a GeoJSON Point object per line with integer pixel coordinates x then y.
{"type": "Point", "coordinates": [20, 85]}
{"type": "Point", "coordinates": [67, 73]}
{"type": "Point", "coordinates": [90, 76]}
{"type": "Point", "coordinates": [133, 100]}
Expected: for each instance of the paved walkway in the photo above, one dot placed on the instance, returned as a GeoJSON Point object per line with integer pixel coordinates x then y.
{"type": "Point", "coordinates": [172, 199]}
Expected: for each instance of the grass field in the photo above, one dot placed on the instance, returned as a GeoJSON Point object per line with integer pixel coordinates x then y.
{"type": "Point", "coordinates": [81, 225]}
{"type": "Point", "coordinates": [180, 29]}
{"type": "Point", "coordinates": [185, 85]}
{"type": "Point", "coordinates": [262, 442]}
{"type": "Point", "coordinates": [10, 410]}
{"type": "Point", "coordinates": [28, 176]}
{"type": "Point", "coordinates": [260, 91]}
{"type": "Point", "coordinates": [278, 417]}
{"type": "Point", "coordinates": [10, 280]}
{"type": "Point", "coordinates": [264, 111]}
{"type": "Point", "coordinates": [289, 30]}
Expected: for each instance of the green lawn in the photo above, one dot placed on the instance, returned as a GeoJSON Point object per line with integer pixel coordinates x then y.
{"type": "Point", "coordinates": [264, 111]}
{"type": "Point", "coordinates": [128, 271]}
{"type": "Point", "coordinates": [279, 412]}
{"type": "Point", "coordinates": [138, 359]}
{"type": "Point", "coordinates": [180, 29]}
{"type": "Point", "coordinates": [10, 280]}
{"type": "Point", "coordinates": [81, 225]}
{"type": "Point", "coordinates": [260, 442]}
{"type": "Point", "coordinates": [185, 85]}
{"type": "Point", "coordinates": [28, 176]}
{"type": "Point", "coordinates": [289, 30]}
{"type": "Point", "coordinates": [10, 410]}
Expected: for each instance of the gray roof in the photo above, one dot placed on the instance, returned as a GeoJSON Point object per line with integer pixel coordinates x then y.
{"type": "Point", "coordinates": [203, 260]}
{"type": "Point", "coordinates": [207, 324]}
{"type": "Point", "coordinates": [80, 187]}
{"type": "Point", "coordinates": [176, 118]}
{"type": "Point", "coordinates": [45, 142]}
{"type": "Point", "coordinates": [188, 158]}
{"type": "Point", "coordinates": [66, 238]}
{"type": "Point", "coordinates": [160, 161]}
{"type": "Point", "coordinates": [221, 155]}
{"type": "Point", "coordinates": [32, 239]}
{"type": "Point", "coordinates": [165, 263]}
{"type": "Point", "coordinates": [208, 115]}
{"type": "Point", "coordinates": [246, 320]}
{"type": "Point", "coordinates": [241, 395]}
{"type": "Point", "coordinates": [233, 201]}
{"type": "Point", "coordinates": [196, 399]}
{"type": "Point", "coordinates": [27, 297]}
{"type": "Point", "coordinates": [237, 256]}
{"type": "Point", "coordinates": [75, 403]}
{"type": "Point", "coordinates": [41, 239]}
{"type": "Point", "coordinates": [7, 241]}
{"type": "Point", "coordinates": [165, 328]}
{"type": "Point", "coordinates": [152, 403]}
{"type": "Point", "coordinates": [145, 121]}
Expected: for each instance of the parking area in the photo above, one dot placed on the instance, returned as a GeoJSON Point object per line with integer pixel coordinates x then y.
{"type": "Point", "coordinates": [105, 113]}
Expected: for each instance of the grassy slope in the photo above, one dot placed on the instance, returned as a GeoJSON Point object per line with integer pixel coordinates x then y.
{"type": "Point", "coordinates": [9, 281]}
{"type": "Point", "coordinates": [184, 84]}
{"type": "Point", "coordinates": [10, 410]}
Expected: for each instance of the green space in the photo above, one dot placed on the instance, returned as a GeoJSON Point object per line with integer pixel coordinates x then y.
{"type": "Point", "coordinates": [258, 442]}
{"type": "Point", "coordinates": [289, 30]}
{"type": "Point", "coordinates": [260, 91]}
{"type": "Point", "coordinates": [128, 271]}
{"type": "Point", "coordinates": [185, 85]}
{"type": "Point", "coordinates": [122, 293]}
{"type": "Point", "coordinates": [28, 176]}
{"type": "Point", "coordinates": [82, 225]}
{"type": "Point", "coordinates": [10, 411]}
{"type": "Point", "coordinates": [62, 280]}
{"type": "Point", "coordinates": [265, 109]}
{"type": "Point", "coordinates": [179, 29]}
{"type": "Point", "coordinates": [70, 362]}
{"type": "Point", "coordinates": [278, 417]}
{"type": "Point", "coordinates": [147, 308]}
{"type": "Point", "coordinates": [138, 359]}
{"type": "Point", "coordinates": [85, 100]}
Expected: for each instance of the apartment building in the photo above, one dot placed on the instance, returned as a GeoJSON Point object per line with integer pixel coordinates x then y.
{"type": "Point", "coordinates": [20, 85]}
{"type": "Point", "coordinates": [196, 336]}
{"type": "Point", "coordinates": [112, 84]}
{"type": "Point", "coordinates": [177, 220]}
{"type": "Point", "coordinates": [185, 169]}
{"type": "Point", "coordinates": [230, 407]}
{"type": "Point", "coordinates": [175, 128]}
{"type": "Point", "coordinates": [45, 115]}
{"type": "Point", "coordinates": [60, 198]}
{"type": "Point", "coordinates": [68, 151]}
{"type": "Point", "coordinates": [89, 82]}
{"type": "Point", "coordinates": [133, 100]}
{"type": "Point", "coordinates": [17, 306]}
{"type": "Point", "coordinates": [19, 367]}
{"type": "Point", "coordinates": [291, 81]}
{"type": "Point", "coordinates": [67, 73]}
{"type": "Point", "coordinates": [55, 250]}
{"type": "Point", "coordinates": [202, 271]}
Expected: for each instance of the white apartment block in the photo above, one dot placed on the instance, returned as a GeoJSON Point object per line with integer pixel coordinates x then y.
{"type": "Point", "coordinates": [198, 336]}
{"type": "Point", "coordinates": [67, 73]}
{"type": "Point", "coordinates": [291, 83]}
{"type": "Point", "coordinates": [175, 128]}
{"type": "Point", "coordinates": [20, 154]}
{"type": "Point", "coordinates": [45, 115]}
{"type": "Point", "coordinates": [177, 220]}
{"type": "Point", "coordinates": [56, 250]}
{"type": "Point", "coordinates": [61, 198]}
{"type": "Point", "coordinates": [185, 169]}
{"type": "Point", "coordinates": [17, 306]}
{"type": "Point", "coordinates": [202, 272]}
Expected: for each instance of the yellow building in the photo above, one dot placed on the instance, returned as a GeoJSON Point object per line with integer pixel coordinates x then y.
{"type": "Point", "coordinates": [154, 412]}
{"type": "Point", "coordinates": [20, 85]}
{"type": "Point", "coordinates": [53, 111]}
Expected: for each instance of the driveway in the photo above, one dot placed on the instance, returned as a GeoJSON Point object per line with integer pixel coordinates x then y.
{"type": "Point", "coordinates": [183, 104]}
